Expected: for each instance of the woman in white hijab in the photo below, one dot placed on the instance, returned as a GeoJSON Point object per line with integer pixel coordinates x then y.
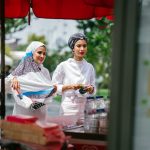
{"type": "Point", "coordinates": [31, 83]}
{"type": "Point", "coordinates": [72, 75]}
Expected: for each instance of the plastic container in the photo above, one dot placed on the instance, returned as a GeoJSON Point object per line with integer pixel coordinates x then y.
{"type": "Point", "coordinates": [102, 108]}
{"type": "Point", "coordinates": [96, 119]}
{"type": "Point", "coordinates": [103, 122]}
{"type": "Point", "coordinates": [88, 108]}
{"type": "Point", "coordinates": [107, 103]}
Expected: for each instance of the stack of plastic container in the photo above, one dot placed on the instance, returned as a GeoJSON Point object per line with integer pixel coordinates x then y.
{"type": "Point", "coordinates": [92, 114]}
{"type": "Point", "coordinates": [103, 118]}
{"type": "Point", "coordinates": [88, 114]}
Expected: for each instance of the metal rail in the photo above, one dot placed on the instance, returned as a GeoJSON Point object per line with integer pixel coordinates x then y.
{"type": "Point", "coordinates": [2, 75]}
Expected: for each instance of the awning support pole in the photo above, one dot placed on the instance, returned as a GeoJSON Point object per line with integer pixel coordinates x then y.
{"type": "Point", "coordinates": [2, 95]}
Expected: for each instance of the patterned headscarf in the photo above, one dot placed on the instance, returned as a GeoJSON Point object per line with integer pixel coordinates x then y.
{"type": "Point", "coordinates": [27, 63]}
{"type": "Point", "coordinates": [74, 38]}
{"type": "Point", "coordinates": [34, 78]}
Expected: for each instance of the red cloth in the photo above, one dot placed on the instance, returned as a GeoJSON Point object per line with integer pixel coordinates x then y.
{"type": "Point", "coordinates": [16, 8]}
{"type": "Point", "coordinates": [21, 119]}
{"type": "Point", "coordinates": [64, 9]}
{"type": "Point", "coordinates": [100, 3]}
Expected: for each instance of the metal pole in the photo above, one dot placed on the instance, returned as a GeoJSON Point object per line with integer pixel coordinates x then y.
{"type": "Point", "coordinates": [2, 95]}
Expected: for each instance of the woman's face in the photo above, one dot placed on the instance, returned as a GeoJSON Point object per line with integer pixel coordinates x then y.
{"type": "Point", "coordinates": [80, 49]}
{"type": "Point", "coordinates": [39, 55]}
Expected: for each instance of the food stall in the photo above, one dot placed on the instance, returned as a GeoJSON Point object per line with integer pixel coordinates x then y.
{"type": "Point", "coordinates": [93, 132]}
{"type": "Point", "coordinates": [28, 131]}
{"type": "Point", "coordinates": [87, 9]}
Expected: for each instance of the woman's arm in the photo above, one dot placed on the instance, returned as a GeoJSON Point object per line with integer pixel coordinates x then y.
{"type": "Point", "coordinates": [92, 86]}
{"type": "Point", "coordinates": [10, 82]}
{"type": "Point", "coordinates": [58, 79]}
{"type": "Point", "coordinates": [71, 87]}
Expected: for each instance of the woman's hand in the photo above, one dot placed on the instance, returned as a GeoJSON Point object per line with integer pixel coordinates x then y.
{"type": "Point", "coordinates": [55, 88]}
{"type": "Point", "coordinates": [89, 89]}
{"type": "Point", "coordinates": [15, 84]}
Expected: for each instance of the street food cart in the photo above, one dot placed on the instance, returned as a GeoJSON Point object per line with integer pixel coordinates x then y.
{"type": "Point", "coordinates": [28, 132]}
{"type": "Point", "coordinates": [66, 9]}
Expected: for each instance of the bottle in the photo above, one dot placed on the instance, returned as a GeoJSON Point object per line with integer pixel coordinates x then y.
{"type": "Point", "coordinates": [107, 103]}
{"type": "Point", "coordinates": [103, 117]}
{"type": "Point", "coordinates": [100, 104]}
{"type": "Point", "coordinates": [103, 122]}
{"type": "Point", "coordinates": [89, 119]}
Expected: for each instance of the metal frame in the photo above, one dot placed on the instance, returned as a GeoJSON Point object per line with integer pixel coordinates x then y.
{"type": "Point", "coordinates": [124, 60]}
{"type": "Point", "coordinates": [2, 75]}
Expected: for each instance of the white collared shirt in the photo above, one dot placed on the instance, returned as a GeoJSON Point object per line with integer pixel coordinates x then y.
{"type": "Point", "coordinates": [73, 72]}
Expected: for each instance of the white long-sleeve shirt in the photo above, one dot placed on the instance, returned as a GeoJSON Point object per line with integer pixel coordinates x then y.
{"type": "Point", "coordinates": [33, 81]}
{"type": "Point", "coordinates": [73, 72]}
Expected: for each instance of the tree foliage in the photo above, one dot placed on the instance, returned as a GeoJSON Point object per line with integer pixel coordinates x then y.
{"type": "Point", "coordinates": [14, 25]}
{"type": "Point", "coordinates": [32, 37]}
{"type": "Point", "coordinates": [54, 59]}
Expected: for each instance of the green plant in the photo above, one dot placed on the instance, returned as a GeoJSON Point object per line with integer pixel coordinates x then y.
{"type": "Point", "coordinates": [103, 92]}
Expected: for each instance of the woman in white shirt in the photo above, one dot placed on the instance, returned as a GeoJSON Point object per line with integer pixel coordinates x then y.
{"type": "Point", "coordinates": [31, 83]}
{"type": "Point", "coordinates": [73, 74]}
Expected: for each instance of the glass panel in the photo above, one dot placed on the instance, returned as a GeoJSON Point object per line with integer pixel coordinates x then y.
{"type": "Point", "coordinates": [142, 118]}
